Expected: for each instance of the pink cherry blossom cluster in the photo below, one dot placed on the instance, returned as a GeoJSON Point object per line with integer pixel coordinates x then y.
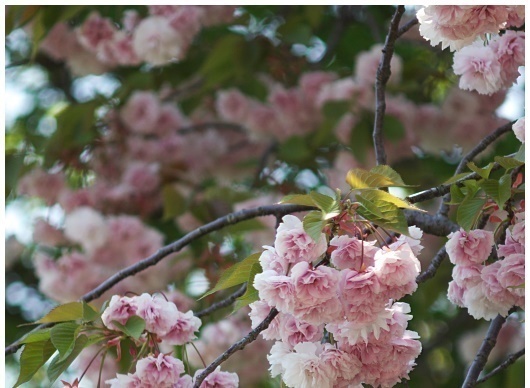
{"type": "Point", "coordinates": [104, 245]}
{"type": "Point", "coordinates": [487, 289]}
{"type": "Point", "coordinates": [486, 68]}
{"type": "Point", "coordinates": [161, 317]}
{"type": "Point", "coordinates": [164, 36]}
{"type": "Point", "coordinates": [165, 371]}
{"type": "Point", "coordinates": [352, 300]}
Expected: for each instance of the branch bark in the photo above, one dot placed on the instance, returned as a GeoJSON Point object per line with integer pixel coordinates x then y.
{"type": "Point", "coordinates": [239, 345]}
{"type": "Point", "coordinates": [505, 364]}
{"type": "Point", "coordinates": [383, 74]}
{"type": "Point", "coordinates": [222, 303]}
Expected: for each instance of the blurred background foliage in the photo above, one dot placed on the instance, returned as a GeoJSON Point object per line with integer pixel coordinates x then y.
{"type": "Point", "coordinates": [53, 116]}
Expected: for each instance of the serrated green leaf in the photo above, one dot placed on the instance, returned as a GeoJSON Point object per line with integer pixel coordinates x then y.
{"type": "Point", "coordinates": [469, 210]}
{"type": "Point", "coordinates": [66, 312]}
{"type": "Point", "coordinates": [505, 189]}
{"type": "Point", "coordinates": [471, 187]}
{"type": "Point", "coordinates": [455, 178]}
{"type": "Point", "coordinates": [33, 357]}
{"type": "Point", "coordinates": [299, 199]}
{"type": "Point", "coordinates": [369, 206]}
{"type": "Point", "coordinates": [499, 190]}
{"type": "Point", "coordinates": [58, 365]}
{"type": "Point", "coordinates": [360, 179]}
{"type": "Point", "coordinates": [89, 314]}
{"type": "Point", "coordinates": [508, 163]}
{"type": "Point", "coordinates": [389, 172]}
{"type": "Point", "coordinates": [63, 337]}
{"type": "Point", "coordinates": [483, 172]}
{"type": "Point", "coordinates": [313, 224]}
{"type": "Point", "coordinates": [251, 294]}
{"type": "Point", "coordinates": [329, 206]}
{"type": "Point", "coordinates": [380, 195]}
{"type": "Point", "coordinates": [134, 327]}
{"type": "Point", "coordinates": [393, 217]}
{"type": "Point", "coordinates": [37, 336]}
{"type": "Point", "coordinates": [236, 274]}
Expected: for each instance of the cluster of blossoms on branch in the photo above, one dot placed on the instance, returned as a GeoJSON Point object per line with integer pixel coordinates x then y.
{"type": "Point", "coordinates": [486, 59]}
{"type": "Point", "coordinates": [488, 288]}
{"type": "Point", "coordinates": [338, 325]}
{"type": "Point", "coordinates": [163, 36]}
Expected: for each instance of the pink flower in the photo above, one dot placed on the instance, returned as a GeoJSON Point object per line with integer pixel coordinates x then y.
{"type": "Point", "coordinates": [269, 259]}
{"type": "Point", "coordinates": [413, 242]}
{"type": "Point", "coordinates": [232, 105]}
{"type": "Point", "coordinates": [185, 381]}
{"type": "Point", "coordinates": [218, 379]}
{"type": "Point", "coordinates": [509, 49]}
{"type": "Point", "coordinates": [39, 183]}
{"type": "Point", "coordinates": [276, 355]}
{"type": "Point", "coordinates": [368, 62]}
{"type": "Point", "coordinates": [277, 290]}
{"type": "Point", "coordinates": [158, 314]}
{"type": "Point", "coordinates": [46, 234]}
{"type": "Point", "coordinates": [157, 42]}
{"type": "Point", "coordinates": [141, 112]}
{"type": "Point", "coordinates": [511, 245]}
{"type": "Point", "coordinates": [294, 244]}
{"type": "Point", "coordinates": [479, 69]}
{"type": "Point", "coordinates": [343, 365]}
{"type": "Point", "coordinates": [511, 272]}
{"type": "Point", "coordinates": [142, 177]}
{"type": "Point", "coordinates": [455, 293]}
{"type": "Point", "coordinates": [318, 314]}
{"type": "Point", "coordinates": [294, 331]}
{"type": "Point", "coordinates": [125, 381]}
{"type": "Point", "coordinates": [468, 248]}
{"type": "Point", "coordinates": [493, 289]}
{"type": "Point", "coordinates": [258, 312]}
{"type": "Point", "coordinates": [160, 371]}
{"type": "Point", "coordinates": [314, 286]}
{"type": "Point", "coordinates": [183, 329]}
{"type": "Point", "coordinates": [95, 31]}
{"type": "Point", "coordinates": [311, 83]}
{"type": "Point", "coordinates": [60, 42]}
{"type": "Point", "coordinates": [480, 306]}
{"type": "Point", "coordinates": [519, 129]}
{"type": "Point", "coordinates": [352, 252]}
{"type": "Point", "coordinates": [305, 368]}
{"type": "Point", "coordinates": [515, 15]}
{"type": "Point", "coordinates": [467, 276]}
{"type": "Point", "coordinates": [87, 227]}
{"type": "Point", "coordinates": [120, 309]}
{"type": "Point", "coordinates": [397, 271]}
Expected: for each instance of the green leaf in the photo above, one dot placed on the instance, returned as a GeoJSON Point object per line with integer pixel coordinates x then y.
{"type": "Point", "coordinates": [313, 224]}
{"type": "Point", "coordinates": [380, 195]}
{"type": "Point", "coordinates": [330, 206]}
{"type": "Point", "coordinates": [134, 327]}
{"type": "Point", "coordinates": [369, 206]}
{"type": "Point", "coordinates": [33, 357]}
{"type": "Point", "coordinates": [455, 178]}
{"type": "Point", "coordinates": [483, 172]}
{"type": "Point", "coordinates": [19, 15]}
{"type": "Point", "coordinates": [37, 336]}
{"type": "Point", "coordinates": [298, 199]}
{"type": "Point", "coordinates": [469, 210]}
{"type": "Point", "coordinates": [520, 154]}
{"type": "Point", "coordinates": [499, 190]}
{"type": "Point", "coordinates": [505, 189]}
{"type": "Point", "coordinates": [456, 195]}
{"type": "Point", "coordinates": [174, 203]}
{"type": "Point", "coordinates": [508, 163]}
{"type": "Point", "coordinates": [236, 274]}
{"type": "Point", "coordinates": [59, 365]}
{"type": "Point", "coordinates": [393, 217]}
{"type": "Point", "coordinates": [251, 294]}
{"type": "Point", "coordinates": [63, 336]}
{"type": "Point", "coordinates": [66, 312]}
{"type": "Point", "coordinates": [384, 176]}
{"type": "Point", "coordinates": [89, 314]}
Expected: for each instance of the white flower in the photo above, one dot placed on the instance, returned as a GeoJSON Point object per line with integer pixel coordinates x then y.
{"type": "Point", "coordinates": [304, 368]}
{"type": "Point", "coordinates": [87, 227]}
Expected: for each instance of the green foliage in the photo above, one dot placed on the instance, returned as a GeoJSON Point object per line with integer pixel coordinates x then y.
{"type": "Point", "coordinates": [134, 327]}
{"type": "Point", "coordinates": [484, 172]}
{"type": "Point", "coordinates": [469, 210]}
{"type": "Point", "coordinates": [499, 190]}
{"type": "Point", "coordinates": [59, 364]}
{"type": "Point", "coordinates": [72, 311]}
{"type": "Point", "coordinates": [33, 357]}
{"type": "Point", "coordinates": [380, 176]}
{"type": "Point", "coordinates": [508, 163]}
{"type": "Point", "coordinates": [236, 274]}
{"type": "Point", "coordinates": [63, 337]}
{"type": "Point", "coordinates": [388, 215]}
{"type": "Point", "coordinates": [251, 294]}
{"type": "Point", "coordinates": [313, 224]}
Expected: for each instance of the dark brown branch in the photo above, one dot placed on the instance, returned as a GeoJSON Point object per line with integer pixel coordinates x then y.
{"type": "Point", "coordinates": [435, 225]}
{"type": "Point", "coordinates": [239, 345]}
{"type": "Point", "coordinates": [505, 364]}
{"type": "Point", "coordinates": [215, 125]}
{"type": "Point", "coordinates": [485, 349]}
{"type": "Point", "coordinates": [433, 266]}
{"type": "Point", "coordinates": [229, 219]}
{"type": "Point", "coordinates": [383, 74]}
{"type": "Point", "coordinates": [222, 303]}
{"type": "Point", "coordinates": [444, 208]}
{"type": "Point", "coordinates": [407, 26]}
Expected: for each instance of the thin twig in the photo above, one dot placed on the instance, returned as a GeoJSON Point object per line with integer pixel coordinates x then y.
{"type": "Point", "coordinates": [383, 74]}
{"type": "Point", "coordinates": [433, 266]}
{"type": "Point", "coordinates": [505, 364]}
{"type": "Point", "coordinates": [222, 303]}
{"type": "Point", "coordinates": [229, 219]}
{"type": "Point", "coordinates": [273, 146]}
{"type": "Point", "coordinates": [407, 26]}
{"type": "Point", "coordinates": [212, 125]}
{"type": "Point", "coordinates": [485, 349]}
{"type": "Point", "coordinates": [484, 143]}
{"type": "Point", "coordinates": [239, 345]}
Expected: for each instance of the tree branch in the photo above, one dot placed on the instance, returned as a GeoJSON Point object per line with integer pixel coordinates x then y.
{"type": "Point", "coordinates": [435, 225]}
{"type": "Point", "coordinates": [215, 125]}
{"type": "Point", "coordinates": [229, 219]}
{"type": "Point", "coordinates": [239, 345]}
{"type": "Point", "coordinates": [444, 208]}
{"type": "Point", "coordinates": [433, 266]}
{"type": "Point", "coordinates": [383, 74]}
{"type": "Point", "coordinates": [222, 303]}
{"type": "Point", "coordinates": [485, 349]}
{"type": "Point", "coordinates": [505, 364]}
{"type": "Point", "coordinates": [407, 26]}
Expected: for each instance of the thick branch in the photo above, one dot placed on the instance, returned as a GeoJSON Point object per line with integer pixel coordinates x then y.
{"type": "Point", "coordinates": [222, 303]}
{"type": "Point", "coordinates": [485, 349]}
{"type": "Point", "coordinates": [216, 125]}
{"type": "Point", "coordinates": [444, 208]}
{"type": "Point", "coordinates": [229, 219]}
{"type": "Point", "coordinates": [433, 266]}
{"type": "Point", "coordinates": [435, 225]}
{"type": "Point", "coordinates": [239, 345]}
{"type": "Point", "coordinates": [383, 74]}
{"type": "Point", "coordinates": [505, 364]}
